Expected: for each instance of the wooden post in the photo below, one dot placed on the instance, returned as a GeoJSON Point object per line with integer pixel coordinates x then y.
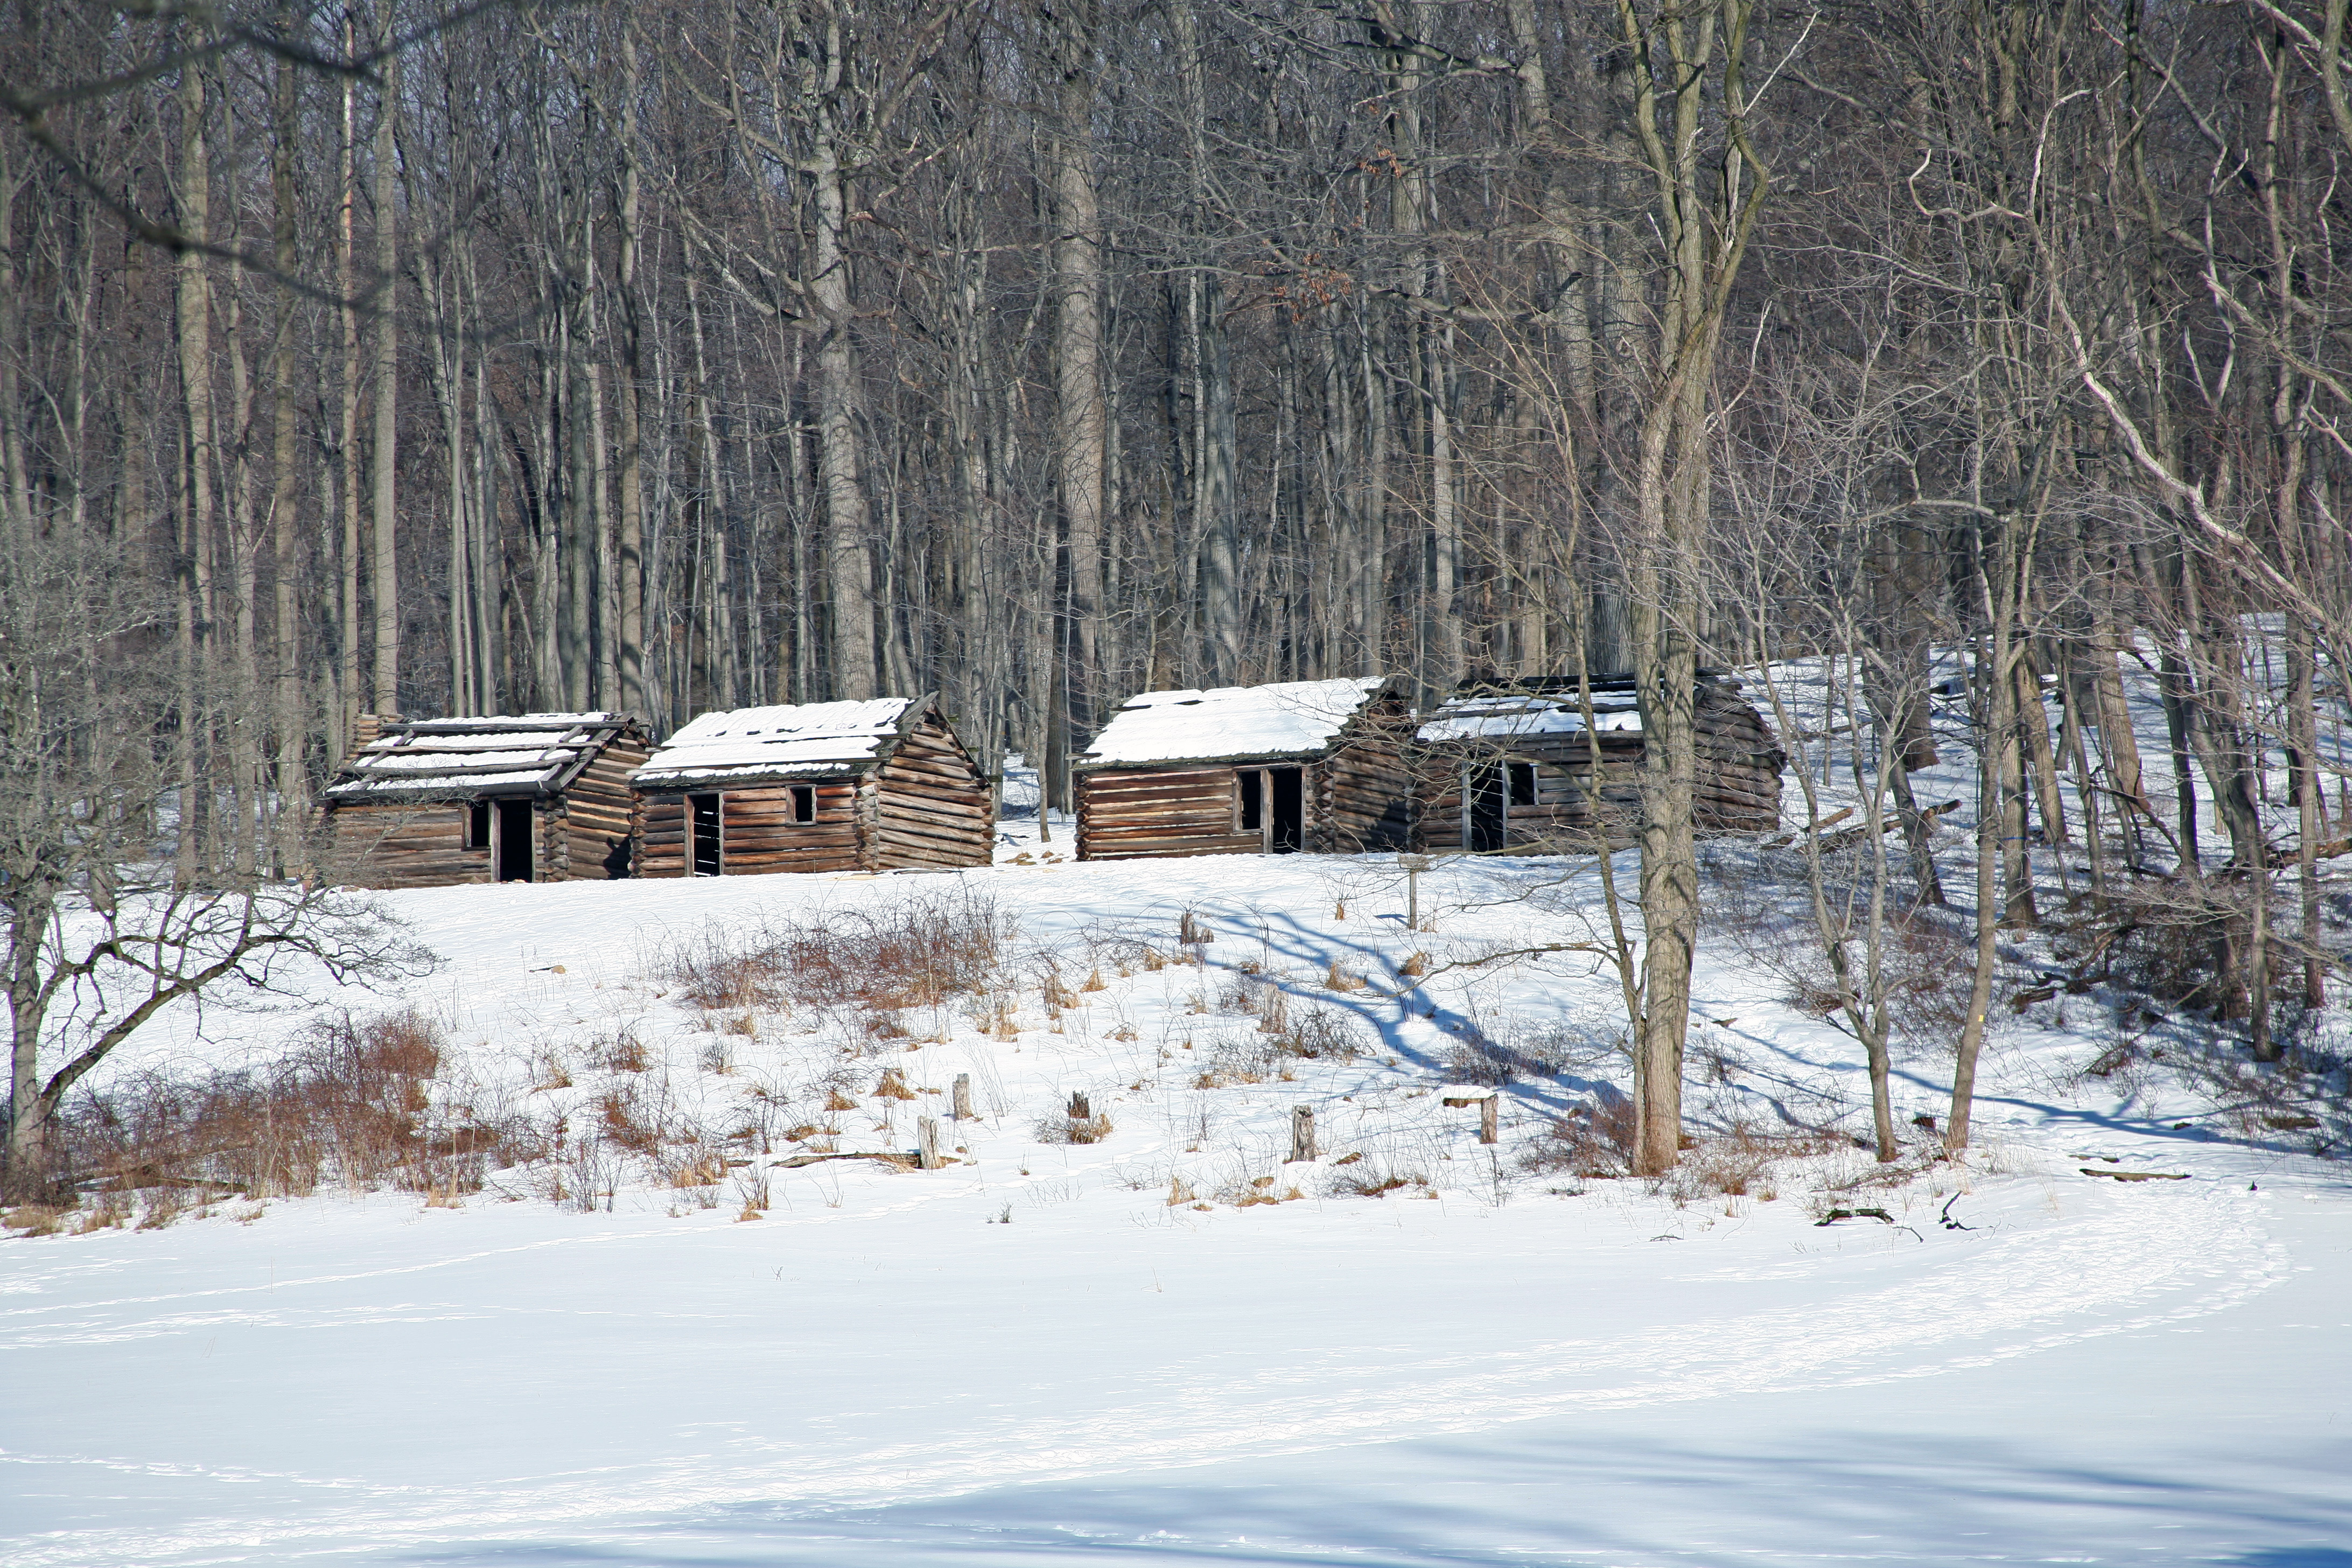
{"type": "Point", "coordinates": [1080, 1109]}
{"type": "Point", "coordinates": [927, 1142]}
{"type": "Point", "coordinates": [1302, 1132]}
{"type": "Point", "coordinates": [1414, 865]}
{"type": "Point", "coordinates": [1489, 1116]}
{"type": "Point", "coordinates": [962, 1105]}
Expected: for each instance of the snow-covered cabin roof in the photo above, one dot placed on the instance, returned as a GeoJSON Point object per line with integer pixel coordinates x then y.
{"type": "Point", "coordinates": [811, 740]}
{"type": "Point", "coordinates": [457, 759]}
{"type": "Point", "coordinates": [1226, 724]}
{"type": "Point", "coordinates": [1513, 715]}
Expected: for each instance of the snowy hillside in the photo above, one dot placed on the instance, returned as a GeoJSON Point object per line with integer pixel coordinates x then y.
{"type": "Point", "coordinates": [662, 1305]}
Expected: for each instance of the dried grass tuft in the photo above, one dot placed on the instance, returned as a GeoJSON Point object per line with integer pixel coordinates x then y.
{"type": "Point", "coordinates": [1066, 1128]}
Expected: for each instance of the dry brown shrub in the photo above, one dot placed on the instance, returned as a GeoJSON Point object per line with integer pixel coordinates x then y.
{"type": "Point", "coordinates": [837, 1100]}
{"type": "Point", "coordinates": [1369, 1183]}
{"type": "Point", "coordinates": [1735, 1164]}
{"type": "Point", "coordinates": [893, 1085]}
{"type": "Point", "coordinates": [1593, 1140]}
{"type": "Point", "coordinates": [918, 952]}
{"type": "Point", "coordinates": [628, 1121]}
{"type": "Point", "coordinates": [352, 1102]}
{"type": "Point", "coordinates": [1322, 1034]}
{"type": "Point", "coordinates": [621, 1052]}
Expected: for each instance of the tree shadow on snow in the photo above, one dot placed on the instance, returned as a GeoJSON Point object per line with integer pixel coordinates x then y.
{"type": "Point", "coordinates": [1542, 1495]}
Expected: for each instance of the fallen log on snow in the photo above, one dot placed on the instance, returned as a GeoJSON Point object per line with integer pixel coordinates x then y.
{"type": "Point", "coordinates": [1889, 823]}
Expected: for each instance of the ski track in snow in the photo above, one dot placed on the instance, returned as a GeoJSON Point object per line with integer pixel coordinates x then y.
{"type": "Point", "coordinates": [2120, 1267]}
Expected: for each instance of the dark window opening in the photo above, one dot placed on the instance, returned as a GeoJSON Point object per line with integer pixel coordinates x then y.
{"type": "Point", "coordinates": [803, 803]}
{"type": "Point", "coordinates": [477, 825]}
{"type": "Point", "coordinates": [1523, 784]}
{"type": "Point", "coordinates": [510, 841]}
{"type": "Point", "coordinates": [1484, 792]}
{"type": "Point", "coordinates": [1253, 808]}
{"type": "Point", "coordinates": [702, 834]}
{"type": "Point", "coordinates": [1289, 810]}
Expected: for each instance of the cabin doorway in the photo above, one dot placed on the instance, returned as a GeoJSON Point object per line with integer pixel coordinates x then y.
{"type": "Point", "coordinates": [1484, 792]}
{"type": "Point", "coordinates": [1287, 819]}
{"type": "Point", "coordinates": [510, 841]}
{"type": "Point", "coordinates": [1272, 803]}
{"type": "Point", "coordinates": [702, 835]}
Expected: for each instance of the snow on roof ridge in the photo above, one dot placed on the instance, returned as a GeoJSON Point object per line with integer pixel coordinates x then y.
{"type": "Point", "coordinates": [528, 720]}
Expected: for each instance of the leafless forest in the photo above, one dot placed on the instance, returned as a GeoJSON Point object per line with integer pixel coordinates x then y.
{"type": "Point", "coordinates": [435, 359]}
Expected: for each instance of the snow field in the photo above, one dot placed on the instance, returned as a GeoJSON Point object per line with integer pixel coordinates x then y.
{"type": "Point", "coordinates": [1033, 1355]}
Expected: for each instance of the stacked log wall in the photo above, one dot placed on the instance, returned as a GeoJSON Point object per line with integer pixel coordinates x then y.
{"type": "Point", "coordinates": [596, 816]}
{"type": "Point", "coordinates": [404, 845]}
{"type": "Point", "coordinates": [1153, 813]}
{"type": "Point", "coordinates": [756, 830]}
{"type": "Point", "coordinates": [1364, 799]}
{"type": "Point", "coordinates": [932, 809]}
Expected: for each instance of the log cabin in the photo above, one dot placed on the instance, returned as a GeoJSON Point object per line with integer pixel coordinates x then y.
{"type": "Point", "coordinates": [876, 786]}
{"type": "Point", "coordinates": [534, 797]}
{"type": "Point", "coordinates": [1507, 765]}
{"type": "Point", "coordinates": [1316, 766]}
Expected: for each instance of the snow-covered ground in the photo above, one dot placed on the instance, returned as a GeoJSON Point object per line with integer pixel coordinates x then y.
{"type": "Point", "coordinates": [1035, 1354]}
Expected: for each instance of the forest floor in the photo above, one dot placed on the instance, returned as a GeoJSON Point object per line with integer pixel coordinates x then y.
{"type": "Point", "coordinates": [1172, 1345]}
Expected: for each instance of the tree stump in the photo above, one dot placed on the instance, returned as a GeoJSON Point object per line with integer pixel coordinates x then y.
{"type": "Point", "coordinates": [1302, 1132]}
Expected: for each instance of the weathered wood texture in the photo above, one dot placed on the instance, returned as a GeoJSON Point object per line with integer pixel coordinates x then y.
{"type": "Point", "coordinates": [1736, 790]}
{"type": "Point", "coordinates": [1357, 796]}
{"type": "Point", "coordinates": [581, 833]}
{"type": "Point", "coordinates": [923, 806]}
{"type": "Point", "coordinates": [402, 845]}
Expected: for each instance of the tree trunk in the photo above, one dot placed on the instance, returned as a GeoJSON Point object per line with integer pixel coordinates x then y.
{"type": "Point", "coordinates": [1081, 418]}
{"type": "Point", "coordinates": [383, 451]}
{"type": "Point", "coordinates": [848, 520]}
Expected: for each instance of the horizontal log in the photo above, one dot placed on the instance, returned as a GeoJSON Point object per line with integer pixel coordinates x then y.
{"type": "Point", "coordinates": [784, 825]}
{"type": "Point", "coordinates": [1150, 799]}
{"type": "Point", "coordinates": [1123, 777]}
{"type": "Point", "coordinates": [1157, 810]}
{"type": "Point", "coordinates": [1220, 825]}
{"type": "Point", "coordinates": [836, 793]}
{"type": "Point", "coordinates": [1176, 849]}
{"type": "Point", "coordinates": [808, 838]}
{"type": "Point", "coordinates": [951, 837]}
{"type": "Point", "coordinates": [1187, 789]}
{"type": "Point", "coordinates": [906, 764]}
{"type": "Point", "coordinates": [1227, 843]}
{"type": "Point", "coordinates": [932, 851]}
{"type": "Point", "coordinates": [799, 864]}
{"type": "Point", "coordinates": [964, 789]}
{"type": "Point", "coordinates": [932, 821]}
{"type": "Point", "coordinates": [930, 740]}
{"type": "Point", "coordinates": [972, 806]}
